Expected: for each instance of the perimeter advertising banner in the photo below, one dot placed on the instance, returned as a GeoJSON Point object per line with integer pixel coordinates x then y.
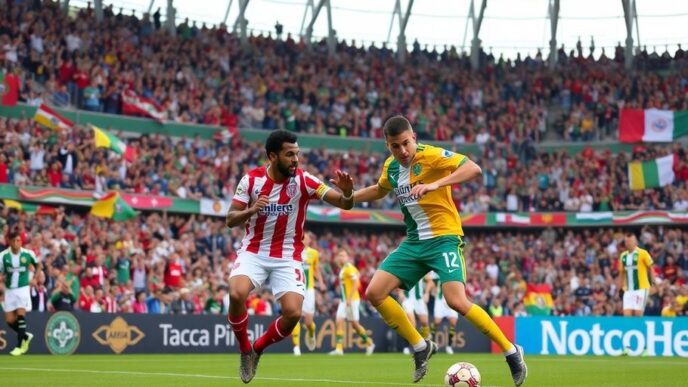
{"type": "Point", "coordinates": [64, 333]}
{"type": "Point", "coordinates": [603, 335]}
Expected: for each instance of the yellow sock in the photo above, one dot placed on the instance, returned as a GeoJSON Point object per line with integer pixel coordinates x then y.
{"type": "Point", "coordinates": [340, 340]}
{"type": "Point", "coordinates": [425, 331]}
{"type": "Point", "coordinates": [481, 320]}
{"type": "Point", "coordinates": [396, 318]}
{"type": "Point", "coordinates": [311, 329]}
{"type": "Point", "coordinates": [296, 334]}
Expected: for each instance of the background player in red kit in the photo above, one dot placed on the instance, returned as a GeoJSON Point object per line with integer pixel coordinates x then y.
{"type": "Point", "coordinates": [271, 202]}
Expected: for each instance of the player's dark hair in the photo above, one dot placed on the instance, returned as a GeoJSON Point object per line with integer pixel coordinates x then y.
{"type": "Point", "coordinates": [13, 234]}
{"type": "Point", "coordinates": [396, 125]}
{"type": "Point", "coordinates": [276, 139]}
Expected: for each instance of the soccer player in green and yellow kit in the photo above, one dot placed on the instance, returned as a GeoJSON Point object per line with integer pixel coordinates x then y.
{"type": "Point", "coordinates": [421, 177]}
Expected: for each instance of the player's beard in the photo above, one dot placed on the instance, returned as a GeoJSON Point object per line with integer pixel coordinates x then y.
{"type": "Point", "coordinates": [284, 169]}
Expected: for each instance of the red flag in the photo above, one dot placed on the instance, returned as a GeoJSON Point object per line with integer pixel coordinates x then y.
{"type": "Point", "coordinates": [9, 88]}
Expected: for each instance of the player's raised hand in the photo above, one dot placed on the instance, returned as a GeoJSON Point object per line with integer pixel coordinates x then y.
{"type": "Point", "coordinates": [343, 181]}
{"type": "Point", "coordinates": [260, 204]}
{"type": "Point", "coordinates": [422, 189]}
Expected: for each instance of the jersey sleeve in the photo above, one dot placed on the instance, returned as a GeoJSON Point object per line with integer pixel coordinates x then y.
{"type": "Point", "coordinates": [315, 187]}
{"type": "Point", "coordinates": [646, 258]}
{"type": "Point", "coordinates": [2, 265]}
{"type": "Point", "coordinates": [241, 194]}
{"type": "Point", "coordinates": [443, 159]}
{"type": "Point", "coordinates": [32, 255]}
{"type": "Point", "coordinates": [383, 181]}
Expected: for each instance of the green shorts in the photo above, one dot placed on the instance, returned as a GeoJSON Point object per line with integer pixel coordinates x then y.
{"type": "Point", "coordinates": [412, 260]}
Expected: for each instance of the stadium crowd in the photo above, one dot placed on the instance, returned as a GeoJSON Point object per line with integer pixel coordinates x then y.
{"type": "Point", "coordinates": [163, 263]}
{"type": "Point", "coordinates": [274, 83]}
{"type": "Point", "coordinates": [513, 180]}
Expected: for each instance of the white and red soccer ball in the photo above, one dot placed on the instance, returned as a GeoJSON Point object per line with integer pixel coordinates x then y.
{"type": "Point", "coordinates": [462, 375]}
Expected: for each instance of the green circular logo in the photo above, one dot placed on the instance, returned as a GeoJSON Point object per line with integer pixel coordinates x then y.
{"type": "Point", "coordinates": [62, 333]}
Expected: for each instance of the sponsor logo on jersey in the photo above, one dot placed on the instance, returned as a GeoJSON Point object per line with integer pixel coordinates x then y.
{"type": "Point", "coordinates": [274, 209]}
{"type": "Point", "coordinates": [447, 153]}
{"type": "Point", "coordinates": [118, 335]}
{"type": "Point", "coordinates": [403, 193]}
{"type": "Point", "coordinates": [62, 333]}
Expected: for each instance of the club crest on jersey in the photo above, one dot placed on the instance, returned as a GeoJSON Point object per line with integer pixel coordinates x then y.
{"type": "Point", "coordinates": [292, 189]}
{"type": "Point", "coordinates": [417, 169]}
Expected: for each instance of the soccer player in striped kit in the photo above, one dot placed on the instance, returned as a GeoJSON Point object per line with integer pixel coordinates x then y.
{"type": "Point", "coordinates": [271, 201]}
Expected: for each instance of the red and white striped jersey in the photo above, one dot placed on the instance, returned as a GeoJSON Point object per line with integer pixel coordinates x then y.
{"type": "Point", "coordinates": [277, 230]}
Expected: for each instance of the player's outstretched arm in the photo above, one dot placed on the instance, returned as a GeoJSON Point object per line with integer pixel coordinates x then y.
{"type": "Point", "coordinates": [239, 213]}
{"type": "Point", "coordinates": [370, 193]}
{"type": "Point", "coordinates": [467, 171]}
{"type": "Point", "coordinates": [343, 198]}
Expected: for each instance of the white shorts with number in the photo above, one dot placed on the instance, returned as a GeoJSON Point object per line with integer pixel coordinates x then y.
{"type": "Point", "coordinates": [19, 298]}
{"type": "Point", "coordinates": [635, 299]}
{"type": "Point", "coordinates": [309, 302]}
{"type": "Point", "coordinates": [442, 310]}
{"type": "Point", "coordinates": [350, 314]}
{"type": "Point", "coordinates": [284, 275]}
{"type": "Point", "coordinates": [411, 305]}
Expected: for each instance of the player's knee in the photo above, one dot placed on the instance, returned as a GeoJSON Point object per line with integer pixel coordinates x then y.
{"type": "Point", "coordinates": [237, 297]}
{"type": "Point", "coordinates": [459, 303]}
{"type": "Point", "coordinates": [375, 297]}
{"type": "Point", "coordinates": [291, 314]}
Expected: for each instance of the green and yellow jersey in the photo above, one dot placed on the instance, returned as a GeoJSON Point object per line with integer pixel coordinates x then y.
{"type": "Point", "coordinates": [434, 214]}
{"type": "Point", "coordinates": [635, 266]}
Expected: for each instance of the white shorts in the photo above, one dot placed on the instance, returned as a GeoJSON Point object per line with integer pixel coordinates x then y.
{"type": "Point", "coordinates": [19, 298]}
{"type": "Point", "coordinates": [309, 302]}
{"type": "Point", "coordinates": [284, 275]}
{"type": "Point", "coordinates": [350, 314]}
{"type": "Point", "coordinates": [411, 305]}
{"type": "Point", "coordinates": [635, 299]}
{"type": "Point", "coordinates": [442, 310]}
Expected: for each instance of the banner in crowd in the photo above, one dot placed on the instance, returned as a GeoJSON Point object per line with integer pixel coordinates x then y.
{"type": "Point", "coordinates": [39, 209]}
{"type": "Point", "coordinates": [9, 88]}
{"type": "Point", "coordinates": [105, 139]}
{"type": "Point", "coordinates": [51, 119]}
{"type": "Point", "coordinates": [112, 206]}
{"type": "Point", "coordinates": [652, 125]}
{"type": "Point", "coordinates": [136, 105]}
{"type": "Point", "coordinates": [65, 333]}
{"type": "Point", "coordinates": [612, 336]}
{"type": "Point", "coordinates": [538, 299]}
{"type": "Point", "coordinates": [317, 213]}
{"type": "Point", "coordinates": [652, 173]}
{"type": "Point", "coordinates": [214, 207]}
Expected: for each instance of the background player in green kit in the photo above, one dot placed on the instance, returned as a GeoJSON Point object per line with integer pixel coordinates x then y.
{"type": "Point", "coordinates": [16, 263]}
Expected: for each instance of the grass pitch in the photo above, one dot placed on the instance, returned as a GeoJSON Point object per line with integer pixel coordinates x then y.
{"type": "Point", "coordinates": [323, 370]}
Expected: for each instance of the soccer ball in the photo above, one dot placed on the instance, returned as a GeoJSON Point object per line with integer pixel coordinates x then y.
{"type": "Point", "coordinates": [462, 374]}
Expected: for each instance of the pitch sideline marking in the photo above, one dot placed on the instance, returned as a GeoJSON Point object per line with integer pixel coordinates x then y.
{"type": "Point", "coordinates": [172, 374]}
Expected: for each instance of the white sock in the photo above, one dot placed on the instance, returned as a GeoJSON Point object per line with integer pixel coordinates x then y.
{"type": "Point", "coordinates": [511, 351]}
{"type": "Point", "coordinates": [420, 346]}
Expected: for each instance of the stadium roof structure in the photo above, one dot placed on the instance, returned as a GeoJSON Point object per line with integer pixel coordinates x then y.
{"type": "Point", "coordinates": [401, 12]}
